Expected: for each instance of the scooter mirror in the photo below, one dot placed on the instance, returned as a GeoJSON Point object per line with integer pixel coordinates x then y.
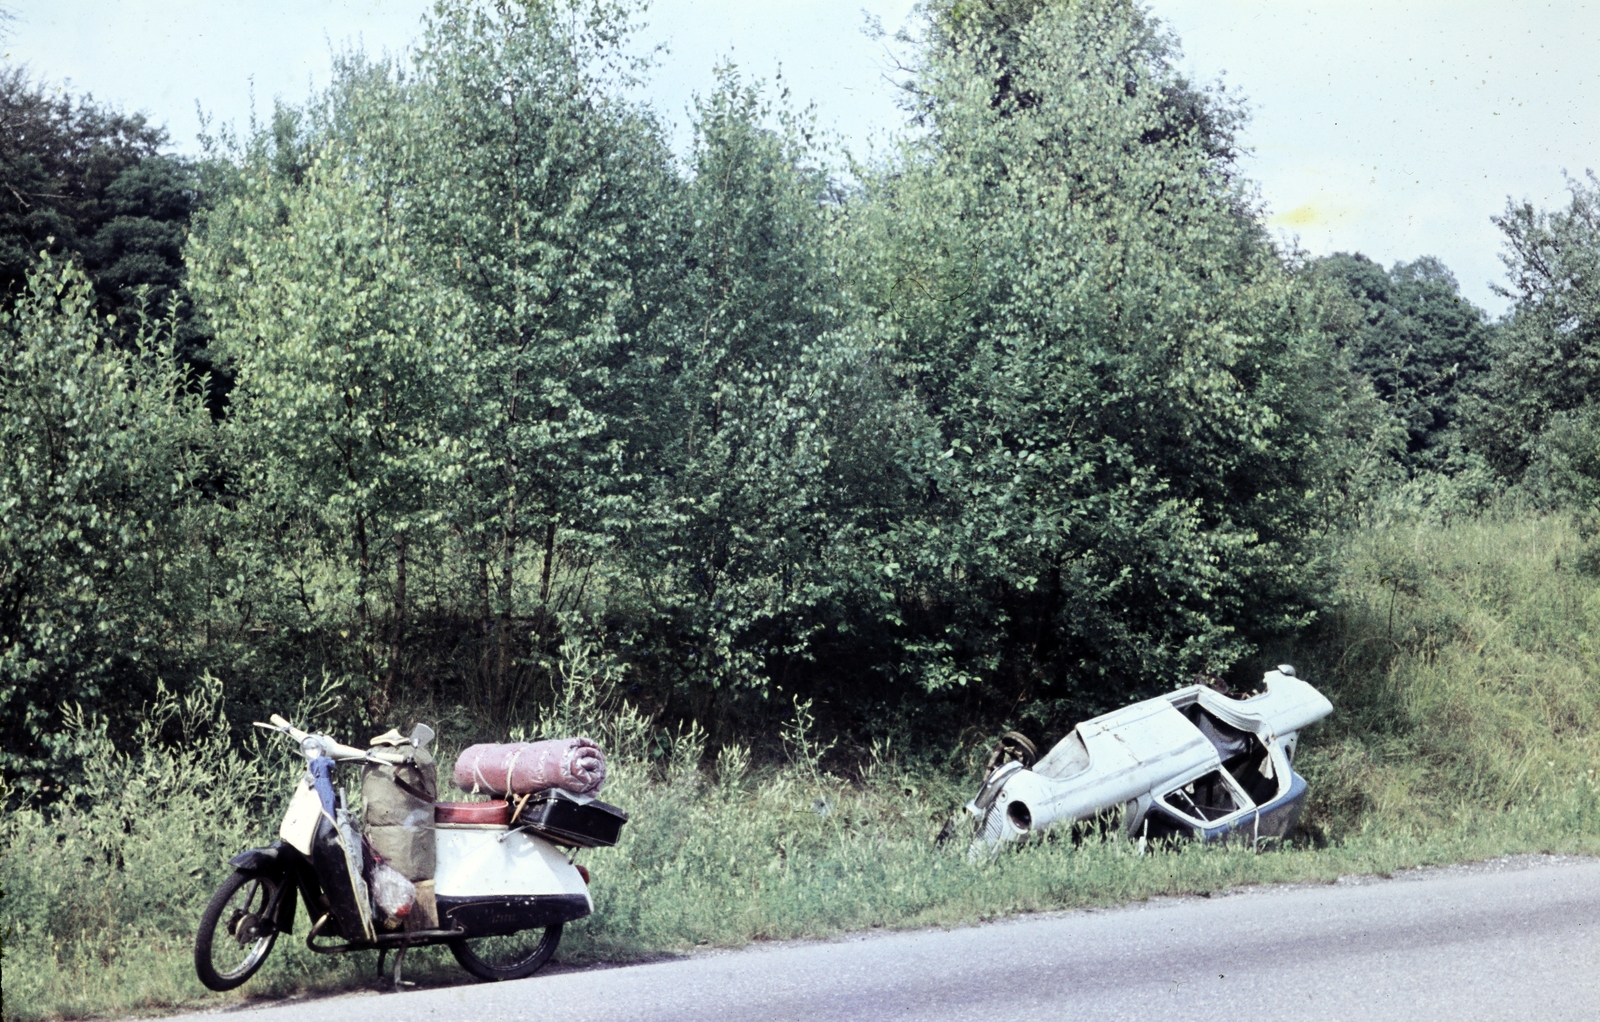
{"type": "Point", "coordinates": [421, 735]}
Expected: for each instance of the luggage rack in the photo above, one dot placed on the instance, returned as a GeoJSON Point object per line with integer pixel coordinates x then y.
{"type": "Point", "coordinates": [560, 817]}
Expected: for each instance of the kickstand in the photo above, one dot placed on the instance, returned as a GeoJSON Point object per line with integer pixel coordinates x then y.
{"type": "Point", "coordinates": [383, 956]}
{"type": "Point", "coordinates": [399, 960]}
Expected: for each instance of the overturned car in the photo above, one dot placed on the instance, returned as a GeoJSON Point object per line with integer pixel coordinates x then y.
{"type": "Point", "coordinates": [1189, 764]}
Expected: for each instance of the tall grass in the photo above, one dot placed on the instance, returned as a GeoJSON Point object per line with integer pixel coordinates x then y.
{"type": "Point", "coordinates": [1461, 663]}
{"type": "Point", "coordinates": [1464, 667]}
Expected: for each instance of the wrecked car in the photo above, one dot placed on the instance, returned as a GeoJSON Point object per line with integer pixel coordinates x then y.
{"type": "Point", "coordinates": [1193, 763]}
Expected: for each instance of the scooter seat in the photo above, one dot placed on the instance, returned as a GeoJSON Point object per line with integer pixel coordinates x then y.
{"type": "Point", "coordinates": [496, 811]}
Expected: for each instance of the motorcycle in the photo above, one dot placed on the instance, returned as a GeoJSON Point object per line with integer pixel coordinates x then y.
{"type": "Point", "coordinates": [501, 892]}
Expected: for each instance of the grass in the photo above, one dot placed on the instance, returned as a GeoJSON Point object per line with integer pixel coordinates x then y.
{"type": "Point", "coordinates": [1462, 664]}
{"type": "Point", "coordinates": [1464, 667]}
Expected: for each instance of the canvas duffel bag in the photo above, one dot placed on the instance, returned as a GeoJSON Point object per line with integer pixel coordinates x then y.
{"type": "Point", "coordinates": [398, 812]}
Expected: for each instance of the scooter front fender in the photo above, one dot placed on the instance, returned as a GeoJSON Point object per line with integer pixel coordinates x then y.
{"type": "Point", "coordinates": [261, 860]}
{"type": "Point", "coordinates": [284, 864]}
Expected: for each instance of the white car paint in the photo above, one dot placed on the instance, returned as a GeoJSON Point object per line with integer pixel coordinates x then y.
{"type": "Point", "coordinates": [1151, 749]}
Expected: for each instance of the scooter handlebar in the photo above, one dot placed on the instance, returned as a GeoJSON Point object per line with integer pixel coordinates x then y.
{"type": "Point", "coordinates": [336, 751]}
{"type": "Point", "coordinates": [342, 753]}
{"type": "Point", "coordinates": [279, 724]}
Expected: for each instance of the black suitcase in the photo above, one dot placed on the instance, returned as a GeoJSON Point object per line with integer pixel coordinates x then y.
{"type": "Point", "coordinates": [567, 819]}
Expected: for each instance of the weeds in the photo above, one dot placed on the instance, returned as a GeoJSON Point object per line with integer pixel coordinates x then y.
{"type": "Point", "coordinates": [1462, 664]}
{"type": "Point", "coordinates": [1484, 691]}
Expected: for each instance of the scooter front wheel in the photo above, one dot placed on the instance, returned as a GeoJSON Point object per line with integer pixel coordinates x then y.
{"type": "Point", "coordinates": [235, 935]}
{"type": "Point", "coordinates": [510, 957]}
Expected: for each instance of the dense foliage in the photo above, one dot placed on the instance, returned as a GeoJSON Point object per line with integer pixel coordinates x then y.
{"type": "Point", "coordinates": [1536, 405]}
{"type": "Point", "coordinates": [1130, 411]}
{"type": "Point", "coordinates": [1420, 343]}
{"type": "Point", "coordinates": [1026, 417]}
{"type": "Point", "coordinates": [87, 181]}
{"type": "Point", "coordinates": [100, 585]}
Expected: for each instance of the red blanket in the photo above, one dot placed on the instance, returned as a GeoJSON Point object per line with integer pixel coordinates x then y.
{"type": "Point", "coordinates": [576, 764]}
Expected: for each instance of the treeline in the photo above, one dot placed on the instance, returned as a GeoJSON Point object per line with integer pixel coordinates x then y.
{"type": "Point", "coordinates": [461, 363]}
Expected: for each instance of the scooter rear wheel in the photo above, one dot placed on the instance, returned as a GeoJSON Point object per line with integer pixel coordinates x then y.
{"type": "Point", "coordinates": [510, 957]}
{"type": "Point", "coordinates": [235, 936]}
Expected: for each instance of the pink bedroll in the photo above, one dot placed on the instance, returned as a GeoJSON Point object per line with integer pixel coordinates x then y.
{"type": "Point", "coordinates": [576, 764]}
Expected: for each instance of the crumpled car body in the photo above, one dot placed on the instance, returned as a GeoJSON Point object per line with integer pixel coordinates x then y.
{"type": "Point", "coordinates": [1189, 764]}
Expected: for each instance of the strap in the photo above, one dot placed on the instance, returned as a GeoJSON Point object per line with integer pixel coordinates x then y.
{"type": "Point", "coordinates": [522, 801]}
{"type": "Point", "coordinates": [512, 766]}
{"type": "Point", "coordinates": [410, 789]}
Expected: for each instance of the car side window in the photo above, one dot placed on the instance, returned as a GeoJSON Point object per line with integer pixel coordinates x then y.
{"type": "Point", "coordinates": [1207, 798]}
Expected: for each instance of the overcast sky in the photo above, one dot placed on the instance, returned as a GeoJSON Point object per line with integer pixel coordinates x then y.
{"type": "Point", "coordinates": [1395, 128]}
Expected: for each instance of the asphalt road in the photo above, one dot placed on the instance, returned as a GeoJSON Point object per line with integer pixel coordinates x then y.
{"type": "Point", "coordinates": [1508, 939]}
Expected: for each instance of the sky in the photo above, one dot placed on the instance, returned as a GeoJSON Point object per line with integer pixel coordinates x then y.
{"type": "Point", "coordinates": [1396, 129]}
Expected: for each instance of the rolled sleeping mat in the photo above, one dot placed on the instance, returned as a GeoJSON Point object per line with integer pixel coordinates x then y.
{"type": "Point", "coordinates": [520, 768]}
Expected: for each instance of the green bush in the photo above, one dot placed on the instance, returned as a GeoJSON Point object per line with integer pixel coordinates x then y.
{"type": "Point", "coordinates": [102, 579]}
{"type": "Point", "coordinates": [1461, 665]}
{"type": "Point", "coordinates": [103, 883]}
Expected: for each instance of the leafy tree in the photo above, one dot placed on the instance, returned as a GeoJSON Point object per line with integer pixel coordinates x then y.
{"type": "Point", "coordinates": [348, 394]}
{"type": "Point", "coordinates": [1420, 343]}
{"type": "Point", "coordinates": [98, 560]}
{"type": "Point", "coordinates": [764, 426]}
{"type": "Point", "coordinates": [86, 179]}
{"type": "Point", "coordinates": [536, 188]}
{"type": "Point", "coordinates": [141, 244]}
{"type": "Point", "coordinates": [1546, 361]}
{"type": "Point", "coordinates": [425, 282]}
{"type": "Point", "coordinates": [1133, 410]}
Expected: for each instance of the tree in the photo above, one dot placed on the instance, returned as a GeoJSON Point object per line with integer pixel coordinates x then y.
{"type": "Point", "coordinates": [536, 193]}
{"type": "Point", "coordinates": [1546, 360]}
{"type": "Point", "coordinates": [763, 423]}
{"type": "Point", "coordinates": [1133, 412]}
{"type": "Point", "coordinates": [83, 178]}
{"type": "Point", "coordinates": [98, 516]}
{"type": "Point", "coordinates": [1419, 342]}
{"type": "Point", "coordinates": [347, 359]}
{"type": "Point", "coordinates": [425, 281]}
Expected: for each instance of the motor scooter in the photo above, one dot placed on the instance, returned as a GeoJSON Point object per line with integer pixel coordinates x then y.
{"type": "Point", "coordinates": [502, 891]}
